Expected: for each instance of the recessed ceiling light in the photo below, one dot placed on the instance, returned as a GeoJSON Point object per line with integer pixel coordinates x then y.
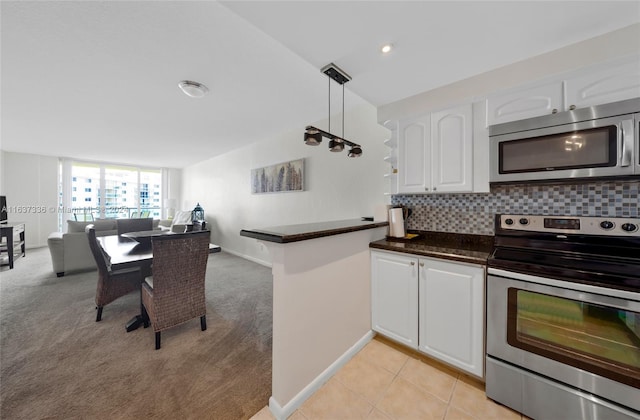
{"type": "Point", "coordinates": [386, 48]}
{"type": "Point", "coordinates": [193, 89]}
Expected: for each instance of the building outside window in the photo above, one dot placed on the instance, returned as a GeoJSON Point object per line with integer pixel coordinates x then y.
{"type": "Point", "coordinates": [84, 197]}
{"type": "Point", "coordinates": [114, 191]}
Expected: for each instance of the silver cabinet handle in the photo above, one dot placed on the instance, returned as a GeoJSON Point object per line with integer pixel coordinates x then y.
{"type": "Point", "coordinates": [434, 188]}
{"type": "Point", "coordinates": [412, 263]}
{"type": "Point", "coordinates": [554, 111]}
{"type": "Point", "coordinates": [626, 142]}
{"type": "Point", "coordinates": [572, 107]}
{"type": "Point", "coordinates": [421, 264]}
{"type": "Point", "coordinates": [426, 189]}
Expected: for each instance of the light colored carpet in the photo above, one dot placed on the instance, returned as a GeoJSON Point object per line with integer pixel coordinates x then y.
{"type": "Point", "coordinates": [56, 362]}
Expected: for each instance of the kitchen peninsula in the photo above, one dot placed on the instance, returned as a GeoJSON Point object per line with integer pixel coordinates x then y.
{"type": "Point", "coordinates": [321, 302]}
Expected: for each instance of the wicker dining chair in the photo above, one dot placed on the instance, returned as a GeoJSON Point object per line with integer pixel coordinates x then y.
{"type": "Point", "coordinates": [175, 292]}
{"type": "Point", "coordinates": [112, 284]}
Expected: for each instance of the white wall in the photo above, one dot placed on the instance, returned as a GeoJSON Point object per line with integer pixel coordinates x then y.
{"type": "Point", "coordinates": [336, 187]}
{"type": "Point", "coordinates": [610, 46]}
{"type": "Point", "coordinates": [30, 183]}
{"type": "Point", "coordinates": [2, 168]}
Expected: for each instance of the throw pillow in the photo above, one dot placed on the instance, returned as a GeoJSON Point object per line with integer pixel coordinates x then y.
{"type": "Point", "coordinates": [181, 218]}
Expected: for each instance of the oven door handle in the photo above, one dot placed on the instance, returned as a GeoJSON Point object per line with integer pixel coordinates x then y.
{"type": "Point", "coordinates": [595, 292]}
{"type": "Point", "coordinates": [626, 142]}
{"type": "Point", "coordinates": [571, 294]}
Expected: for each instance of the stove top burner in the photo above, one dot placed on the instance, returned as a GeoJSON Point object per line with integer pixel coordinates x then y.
{"type": "Point", "coordinates": [580, 249]}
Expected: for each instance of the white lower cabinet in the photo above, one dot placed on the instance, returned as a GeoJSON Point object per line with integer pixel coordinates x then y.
{"type": "Point", "coordinates": [451, 314]}
{"type": "Point", "coordinates": [394, 292]}
{"type": "Point", "coordinates": [430, 304]}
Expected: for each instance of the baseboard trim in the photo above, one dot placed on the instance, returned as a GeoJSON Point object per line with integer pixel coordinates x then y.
{"type": "Point", "coordinates": [282, 413]}
{"type": "Point", "coordinates": [247, 257]}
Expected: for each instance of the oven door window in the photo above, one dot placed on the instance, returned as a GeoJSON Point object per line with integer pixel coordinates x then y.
{"type": "Point", "coordinates": [595, 338]}
{"type": "Point", "coordinates": [591, 148]}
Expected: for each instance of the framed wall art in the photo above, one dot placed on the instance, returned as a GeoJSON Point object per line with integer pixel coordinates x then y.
{"type": "Point", "coordinates": [282, 177]}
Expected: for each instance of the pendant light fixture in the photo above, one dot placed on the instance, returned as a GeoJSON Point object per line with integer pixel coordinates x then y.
{"type": "Point", "coordinates": [313, 135]}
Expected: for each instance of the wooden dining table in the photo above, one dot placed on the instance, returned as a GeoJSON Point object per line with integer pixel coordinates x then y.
{"type": "Point", "coordinates": [127, 251]}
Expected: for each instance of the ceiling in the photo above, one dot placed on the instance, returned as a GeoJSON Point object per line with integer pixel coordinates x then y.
{"type": "Point", "coordinates": [97, 80]}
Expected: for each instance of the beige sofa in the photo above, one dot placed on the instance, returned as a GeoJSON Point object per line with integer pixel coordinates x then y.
{"type": "Point", "coordinates": [70, 251]}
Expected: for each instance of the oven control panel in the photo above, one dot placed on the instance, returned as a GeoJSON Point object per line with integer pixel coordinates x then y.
{"type": "Point", "coordinates": [583, 225]}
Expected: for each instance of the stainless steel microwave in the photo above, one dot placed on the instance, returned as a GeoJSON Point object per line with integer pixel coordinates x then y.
{"type": "Point", "coordinates": [595, 142]}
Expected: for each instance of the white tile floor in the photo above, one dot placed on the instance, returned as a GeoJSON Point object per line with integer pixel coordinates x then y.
{"type": "Point", "coordinates": [385, 381]}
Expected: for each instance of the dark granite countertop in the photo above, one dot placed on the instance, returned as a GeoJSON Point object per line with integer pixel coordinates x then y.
{"type": "Point", "coordinates": [474, 249]}
{"type": "Point", "coordinates": [303, 232]}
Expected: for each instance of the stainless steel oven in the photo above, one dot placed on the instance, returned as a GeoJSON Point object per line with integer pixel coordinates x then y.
{"type": "Point", "coordinates": [600, 141]}
{"type": "Point", "coordinates": [563, 317]}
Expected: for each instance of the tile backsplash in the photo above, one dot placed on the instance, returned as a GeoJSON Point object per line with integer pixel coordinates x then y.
{"type": "Point", "coordinates": [474, 213]}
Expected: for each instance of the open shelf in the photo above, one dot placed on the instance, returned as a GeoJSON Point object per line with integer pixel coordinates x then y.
{"type": "Point", "coordinates": [390, 125]}
{"type": "Point", "coordinates": [391, 142]}
{"type": "Point", "coordinates": [391, 159]}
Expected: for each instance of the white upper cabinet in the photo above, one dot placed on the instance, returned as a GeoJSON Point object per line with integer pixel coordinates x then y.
{"type": "Point", "coordinates": [435, 152]}
{"type": "Point", "coordinates": [580, 89]}
{"type": "Point", "coordinates": [600, 87]}
{"type": "Point", "coordinates": [452, 150]}
{"type": "Point", "coordinates": [526, 103]}
{"type": "Point", "coordinates": [414, 149]}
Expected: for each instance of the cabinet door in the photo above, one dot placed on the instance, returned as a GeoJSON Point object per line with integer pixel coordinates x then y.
{"type": "Point", "coordinates": [452, 150]}
{"type": "Point", "coordinates": [413, 149]}
{"type": "Point", "coordinates": [608, 85]}
{"type": "Point", "coordinates": [394, 297]}
{"type": "Point", "coordinates": [452, 313]}
{"type": "Point", "coordinates": [524, 103]}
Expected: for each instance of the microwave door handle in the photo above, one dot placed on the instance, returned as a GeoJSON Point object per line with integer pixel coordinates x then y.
{"type": "Point", "coordinates": [626, 142]}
